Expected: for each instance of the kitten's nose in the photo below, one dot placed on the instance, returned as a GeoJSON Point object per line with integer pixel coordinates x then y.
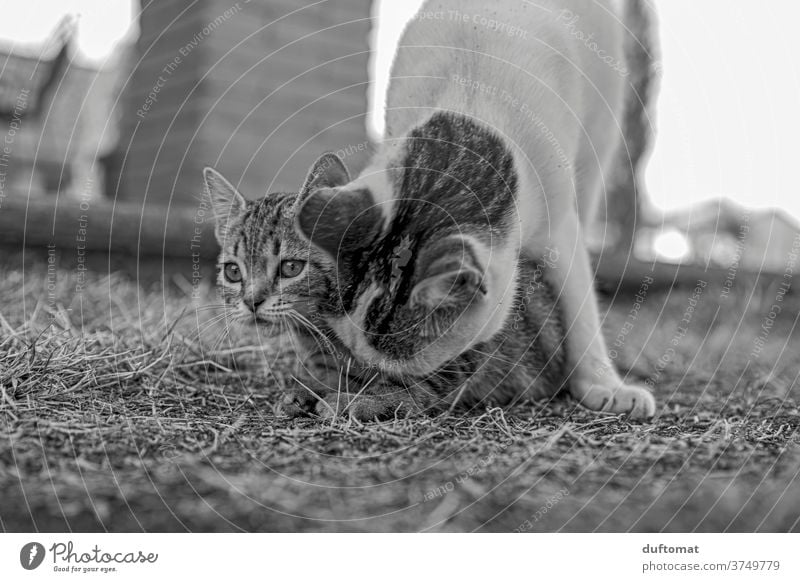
{"type": "Point", "coordinates": [253, 303]}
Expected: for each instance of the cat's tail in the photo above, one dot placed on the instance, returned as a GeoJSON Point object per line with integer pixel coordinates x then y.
{"type": "Point", "coordinates": [643, 64]}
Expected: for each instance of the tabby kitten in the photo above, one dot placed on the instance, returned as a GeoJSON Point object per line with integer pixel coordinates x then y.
{"type": "Point", "coordinates": [272, 277]}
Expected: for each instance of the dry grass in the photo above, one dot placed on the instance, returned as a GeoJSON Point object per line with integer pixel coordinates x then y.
{"type": "Point", "coordinates": [116, 417]}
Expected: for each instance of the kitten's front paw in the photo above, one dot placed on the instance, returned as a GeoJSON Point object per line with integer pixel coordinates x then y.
{"type": "Point", "coordinates": [295, 401]}
{"type": "Point", "coordinates": [615, 396]}
{"type": "Point", "coordinates": [364, 407]}
{"type": "Point", "coordinates": [289, 406]}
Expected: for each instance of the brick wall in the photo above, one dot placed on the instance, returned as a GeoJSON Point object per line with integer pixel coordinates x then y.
{"type": "Point", "coordinates": [256, 89]}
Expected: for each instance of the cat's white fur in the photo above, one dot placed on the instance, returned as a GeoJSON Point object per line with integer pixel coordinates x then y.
{"type": "Point", "coordinates": [558, 103]}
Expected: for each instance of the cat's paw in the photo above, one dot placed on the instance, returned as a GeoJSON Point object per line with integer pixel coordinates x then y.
{"type": "Point", "coordinates": [290, 408]}
{"type": "Point", "coordinates": [364, 407]}
{"type": "Point", "coordinates": [295, 401]}
{"type": "Point", "coordinates": [616, 397]}
{"type": "Point", "coordinates": [287, 406]}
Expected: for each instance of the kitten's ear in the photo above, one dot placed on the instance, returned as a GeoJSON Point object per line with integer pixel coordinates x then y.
{"type": "Point", "coordinates": [226, 202]}
{"type": "Point", "coordinates": [339, 221]}
{"type": "Point", "coordinates": [327, 172]}
{"type": "Point", "coordinates": [449, 278]}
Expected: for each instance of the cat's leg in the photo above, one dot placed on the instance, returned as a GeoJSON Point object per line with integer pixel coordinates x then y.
{"type": "Point", "coordinates": [593, 380]}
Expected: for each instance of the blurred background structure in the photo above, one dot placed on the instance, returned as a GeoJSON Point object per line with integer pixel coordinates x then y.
{"type": "Point", "coordinates": [115, 134]}
{"type": "Point", "coordinates": [41, 97]}
{"type": "Point", "coordinates": [256, 89]}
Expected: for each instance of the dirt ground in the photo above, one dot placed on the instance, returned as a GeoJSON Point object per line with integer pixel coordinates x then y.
{"type": "Point", "coordinates": [117, 417]}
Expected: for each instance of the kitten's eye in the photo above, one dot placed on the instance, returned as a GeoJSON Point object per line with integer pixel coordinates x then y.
{"type": "Point", "coordinates": [291, 269]}
{"type": "Point", "coordinates": [232, 272]}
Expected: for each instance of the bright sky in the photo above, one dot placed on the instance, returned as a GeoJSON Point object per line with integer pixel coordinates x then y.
{"type": "Point", "coordinates": [101, 23]}
{"type": "Point", "coordinates": [729, 109]}
{"type": "Point", "coordinates": [728, 113]}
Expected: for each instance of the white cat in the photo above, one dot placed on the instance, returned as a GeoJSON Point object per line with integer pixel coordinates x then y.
{"type": "Point", "coordinates": [512, 96]}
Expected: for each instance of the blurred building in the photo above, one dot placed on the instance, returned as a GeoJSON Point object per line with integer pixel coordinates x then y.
{"type": "Point", "coordinates": [256, 89]}
{"type": "Point", "coordinates": [50, 111]}
{"type": "Point", "coordinates": [721, 233]}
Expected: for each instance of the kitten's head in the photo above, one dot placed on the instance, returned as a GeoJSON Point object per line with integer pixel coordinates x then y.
{"type": "Point", "coordinates": [267, 273]}
{"type": "Point", "coordinates": [413, 289]}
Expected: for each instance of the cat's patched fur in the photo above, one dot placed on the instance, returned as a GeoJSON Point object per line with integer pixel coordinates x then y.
{"type": "Point", "coordinates": [525, 360]}
{"type": "Point", "coordinates": [477, 179]}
